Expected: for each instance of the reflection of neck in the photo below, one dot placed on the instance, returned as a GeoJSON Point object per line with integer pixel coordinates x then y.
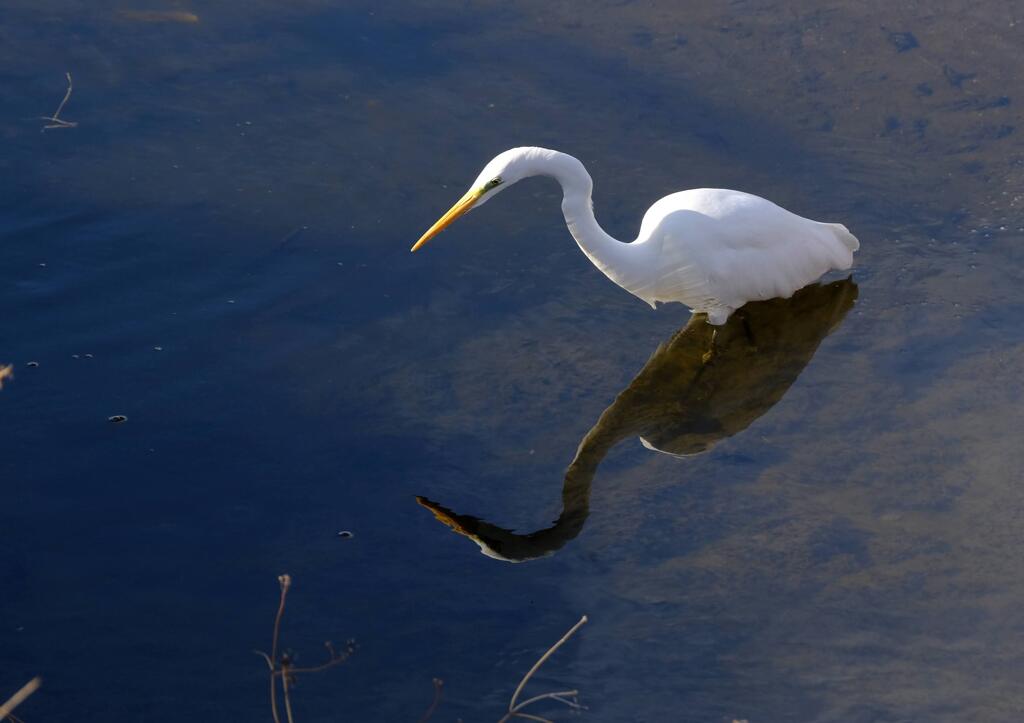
{"type": "Point", "coordinates": [504, 544]}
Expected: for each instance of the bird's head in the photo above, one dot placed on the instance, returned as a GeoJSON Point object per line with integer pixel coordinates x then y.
{"type": "Point", "coordinates": [502, 171]}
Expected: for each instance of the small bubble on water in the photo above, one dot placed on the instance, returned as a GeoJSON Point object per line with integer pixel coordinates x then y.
{"type": "Point", "coordinates": [117, 418]}
{"type": "Point", "coordinates": [345, 534]}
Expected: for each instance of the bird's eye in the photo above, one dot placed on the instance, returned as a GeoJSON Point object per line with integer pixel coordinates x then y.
{"type": "Point", "coordinates": [494, 182]}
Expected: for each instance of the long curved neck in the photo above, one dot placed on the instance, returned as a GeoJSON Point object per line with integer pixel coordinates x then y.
{"type": "Point", "coordinates": [614, 258]}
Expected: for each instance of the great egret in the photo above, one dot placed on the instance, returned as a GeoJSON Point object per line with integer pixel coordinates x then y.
{"type": "Point", "coordinates": [682, 406]}
{"type": "Point", "coordinates": [708, 248]}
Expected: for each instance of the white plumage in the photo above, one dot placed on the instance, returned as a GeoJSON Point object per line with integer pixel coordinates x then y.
{"type": "Point", "coordinates": [710, 249]}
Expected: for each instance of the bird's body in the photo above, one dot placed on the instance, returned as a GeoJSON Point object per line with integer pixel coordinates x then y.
{"type": "Point", "coordinates": [714, 250]}
{"type": "Point", "coordinates": [710, 249]}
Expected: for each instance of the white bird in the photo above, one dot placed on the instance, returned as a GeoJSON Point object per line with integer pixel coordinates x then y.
{"type": "Point", "coordinates": [708, 248]}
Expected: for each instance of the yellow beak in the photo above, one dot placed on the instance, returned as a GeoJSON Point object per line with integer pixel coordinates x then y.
{"type": "Point", "coordinates": [461, 206]}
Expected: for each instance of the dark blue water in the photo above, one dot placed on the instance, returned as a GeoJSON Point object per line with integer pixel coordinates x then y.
{"type": "Point", "coordinates": [218, 251]}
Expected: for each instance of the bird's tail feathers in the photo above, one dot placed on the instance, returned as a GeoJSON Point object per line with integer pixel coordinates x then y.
{"type": "Point", "coordinates": [844, 235]}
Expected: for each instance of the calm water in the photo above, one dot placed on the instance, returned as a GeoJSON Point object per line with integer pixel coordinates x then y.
{"type": "Point", "coordinates": [219, 251]}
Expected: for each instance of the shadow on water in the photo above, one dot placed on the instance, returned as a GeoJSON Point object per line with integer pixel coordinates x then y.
{"type": "Point", "coordinates": [693, 392]}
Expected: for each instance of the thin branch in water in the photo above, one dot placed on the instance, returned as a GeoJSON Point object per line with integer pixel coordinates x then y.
{"type": "Point", "coordinates": [287, 699]}
{"type": "Point", "coordinates": [438, 685]}
{"type": "Point", "coordinates": [18, 698]}
{"type": "Point", "coordinates": [543, 659]}
{"type": "Point", "coordinates": [574, 703]}
{"type": "Point", "coordinates": [285, 581]}
{"type": "Point", "coordinates": [532, 717]}
{"type": "Point", "coordinates": [266, 657]}
{"type": "Point", "coordinates": [273, 697]}
{"type": "Point", "coordinates": [333, 658]}
{"type": "Point", "coordinates": [515, 708]}
{"type": "Point", "coordinates": [562, 696]}
{"type": "Point", "coordinates": [281, 666]}
{"type": "Point", "coordinates": [55, 119]}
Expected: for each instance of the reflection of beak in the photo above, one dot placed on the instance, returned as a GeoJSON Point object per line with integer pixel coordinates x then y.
{"type": "Point", "coordinates": [443, 516]}
{"type": "Point", "coordinates": [461, 206]}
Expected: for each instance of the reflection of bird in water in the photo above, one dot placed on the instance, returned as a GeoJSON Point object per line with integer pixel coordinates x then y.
{"type": "Point", "coordinates": [710, 249]}
{"type": "Point", "coordinates": [682, 405]}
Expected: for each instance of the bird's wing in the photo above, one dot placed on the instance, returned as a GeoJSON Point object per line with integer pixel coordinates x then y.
{"type": "Point", "coordinates": [714, 248]}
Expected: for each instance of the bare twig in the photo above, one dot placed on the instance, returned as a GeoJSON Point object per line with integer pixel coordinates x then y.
{"type": "Point", "coordinates": [438, 684]}
{"type": "Point", "coordinates": [55, 119]}
{"type": "Point", "coordinates": [285, 581]}
{"type": "Point", "coordinates": [562, 696]}
{"type": "Point", "coordinates": [266, 657]}
{"type": "Point", "coordinates": [287, 699]}
{"type": "Point", "coordinates": [281, 666]}
{"type": "Point", "coordinates": [515, 709]}
{"type": "Point", "coordinates": [334, 658]}
{"type": "Point", "coordinates": [273, 696]}
{"type": "Point", "coordinates": [18, 698]}
{"type": "Point", "coordinates": [543, 659]}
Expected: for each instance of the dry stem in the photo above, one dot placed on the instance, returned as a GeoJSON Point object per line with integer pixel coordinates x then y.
{"type": "Point", "coordinates": [18, 698]}
{"type": "Point", "coordinates": [281, 667]}
{"type": "Point", "coordinates": [438, 684]}
{"type": "Point", "coordinates": [55, 119]}
{"type": "Point", "coordinates": [562, 696]}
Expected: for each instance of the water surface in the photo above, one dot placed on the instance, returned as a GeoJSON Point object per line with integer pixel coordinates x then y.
{"type": "Point", "coordinates": [219, 251]}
